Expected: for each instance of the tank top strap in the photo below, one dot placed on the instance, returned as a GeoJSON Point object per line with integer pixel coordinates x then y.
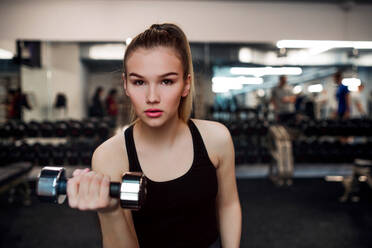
{"type": "Point", "coordinates": [200, 151]}
{"type": "Point", "coordinates": [134, 165]}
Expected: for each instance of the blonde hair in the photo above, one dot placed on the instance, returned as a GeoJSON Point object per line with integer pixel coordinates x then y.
{"type": "Point", "coordinates": [166, 35]}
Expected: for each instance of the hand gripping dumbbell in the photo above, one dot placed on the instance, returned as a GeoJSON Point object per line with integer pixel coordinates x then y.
{"type": "Point", "coordinates": [52, 183]}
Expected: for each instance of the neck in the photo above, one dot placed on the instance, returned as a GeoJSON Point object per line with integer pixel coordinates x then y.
{"type": "Point", "coordinates": [164, 135]}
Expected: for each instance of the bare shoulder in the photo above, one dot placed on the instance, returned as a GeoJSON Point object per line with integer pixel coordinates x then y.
{"type": "Point", "coordinates": [212, 130]}
{"type": "Point", "coordinates": [217, 139]}
{"type": "Point", "coordinates": [110, 158]}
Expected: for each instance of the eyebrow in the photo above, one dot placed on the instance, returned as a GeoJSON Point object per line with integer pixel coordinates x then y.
{"type": "Point", "coordinates": [133, 74]}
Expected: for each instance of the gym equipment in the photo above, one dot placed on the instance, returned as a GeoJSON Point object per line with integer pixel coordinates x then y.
{"type": "Point", "coordinates": [33, 129]}
{"type": "Point", "coordinates": [47, 129]}
{"type": "Point", "coordinates": [86, 156]}
{"type": "Point", "coordinates": [75, 128]}
{"type": "Point", "coordinates": [51, 187]}
{"type": "Point", "coordinates": [103, 130]}
{"type": "Point", "coordinates": [7, 130]}
{"type": "Point", "coordinates": [89, 129]}
{"type": "Point", "coordinates": [59, 153]}
{"type": "Point", "coordinates": [14, 179]}
{"type": "Point", "coordinates": [362, 171]}
{"type": "Point", "coordinates": [45, 154]}
{"type": "Point", "coordinates": [20, 130]}
{"type": "Point", "coordinates": [281, 151]}
{"type": "Point", "coordinates": [4, 155]}
{"type": "Point", "coordinates": [72, 156]}
{"type": "Point", "coordinates": [61, 128]}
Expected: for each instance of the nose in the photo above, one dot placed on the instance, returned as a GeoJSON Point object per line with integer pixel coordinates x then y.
{"type": "Point", "coordinates": [152, 94]}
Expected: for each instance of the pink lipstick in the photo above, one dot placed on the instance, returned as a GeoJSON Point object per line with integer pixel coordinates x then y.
{"type": "Point", "coordinates": [153, 113]}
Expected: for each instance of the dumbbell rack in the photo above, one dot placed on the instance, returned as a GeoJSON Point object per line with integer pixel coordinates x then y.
{"type": "Point", "coordinates": [44, 147]}
{"type": "Point", "coordinates": [330, 142]}
{"type": "Point", "coordinates": [248, 133]}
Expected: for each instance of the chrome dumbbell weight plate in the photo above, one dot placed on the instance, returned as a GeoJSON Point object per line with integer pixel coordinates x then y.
{"type": "Point", "coordinates": [133, 190]}
{"type": "Point", "coordinates": [47, 187]}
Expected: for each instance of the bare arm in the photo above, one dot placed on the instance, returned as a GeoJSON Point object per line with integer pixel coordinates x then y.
{"type": "Point", "coordinates": [359, 106]}
{"type": "Point", "coordinates": [116, 224]}
{"type": "Point", "coordinates": [89, 190]}
{"type": "Point", "coordinates": [228, 205]}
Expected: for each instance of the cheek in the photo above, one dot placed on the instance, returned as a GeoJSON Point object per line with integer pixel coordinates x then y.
{"type": "Point", "coordinates": [173, 98]}
{"type": "Point", "coordinates": [135, 97]}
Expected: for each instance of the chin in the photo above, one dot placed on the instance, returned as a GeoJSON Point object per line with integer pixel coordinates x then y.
{"type": "Point", "coordinates": [153, 122]}
{"type": "Point", "coordinates": [156, 122]}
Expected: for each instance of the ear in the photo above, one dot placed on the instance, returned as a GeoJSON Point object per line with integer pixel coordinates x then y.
{"type": "Point", "coordinates": [125, 83]}
{"type": "Point", "coordinates": [187, 86]}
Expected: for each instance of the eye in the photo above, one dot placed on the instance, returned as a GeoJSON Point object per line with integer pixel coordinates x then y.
{"type": "Point", "coordinates": [138, 82]}
{"type": "Point", "coordinates": [167, 82]}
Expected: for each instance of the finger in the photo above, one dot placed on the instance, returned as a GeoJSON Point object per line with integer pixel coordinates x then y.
{"type": "Point", "coordinates": [76, 172]}
{"type": "Point", "coordinates": [105, 190]}
{"type": "Point", "coordinates": [84, 187]}
{"type": "Point", "coordinates": [95, 186]}
{"type": "Point", "coordinates": [72, 192]}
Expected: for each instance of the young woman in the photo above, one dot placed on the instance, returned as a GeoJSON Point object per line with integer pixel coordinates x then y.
{"type": "Point", "coordinates": [192, 198]}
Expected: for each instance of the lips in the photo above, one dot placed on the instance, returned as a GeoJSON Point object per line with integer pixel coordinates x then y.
{"type": "Point", "coordinates": [153, 113]}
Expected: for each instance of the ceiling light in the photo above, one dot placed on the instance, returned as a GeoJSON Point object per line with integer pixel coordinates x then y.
{"type": "Point", "coordinates": [362, 44]}
{"type": "Point", "coordinates": [245, 55]}
{"type": "Point", "coordinates": [263, 71]}
{"type": "Point", "coordinates": [297, 89]}
{"type": "Point", "coordinates": [315, 88]}
{"type": "Point", "coordinates": [324, 44]}
{"type": "Point", "coordinates": [238, 80]}
{"type": "Point", "coordinates": [107, 52]}
{"type": "Point", "coordinates": [260, 92]}
{"type": "Point", "coordinates": [225, 87]}
{"type": "Point", "coordinates": [354, 82]}
{"type": "Point", "coordinates": [5, 54]}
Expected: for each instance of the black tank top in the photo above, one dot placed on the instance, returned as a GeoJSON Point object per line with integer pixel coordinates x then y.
{"type": "Point", "coordinates": [180, 212]}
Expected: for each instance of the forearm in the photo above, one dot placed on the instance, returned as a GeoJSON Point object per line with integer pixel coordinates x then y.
{"type": "Point", "coordinates": [230, 224]}
{"type": "Point", "coordinates": [116, 230]}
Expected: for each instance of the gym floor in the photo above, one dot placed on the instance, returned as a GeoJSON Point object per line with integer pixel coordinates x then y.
{"type": "Point", "coordinates": [307, 214]}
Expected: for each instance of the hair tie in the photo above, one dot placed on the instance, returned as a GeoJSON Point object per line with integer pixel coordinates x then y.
{"type": "Point", "coordinates": [156, 27]}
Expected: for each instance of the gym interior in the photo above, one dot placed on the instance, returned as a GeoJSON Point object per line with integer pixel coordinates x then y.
{"type": "Point", "coordinates": [270, 71]}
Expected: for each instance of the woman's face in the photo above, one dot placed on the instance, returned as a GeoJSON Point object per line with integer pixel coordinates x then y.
{"type": "Point", "coordinates": [155, 84]}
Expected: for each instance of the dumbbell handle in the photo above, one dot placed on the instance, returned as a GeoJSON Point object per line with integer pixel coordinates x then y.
{"type": "Point", "coordinates": [114, 188]}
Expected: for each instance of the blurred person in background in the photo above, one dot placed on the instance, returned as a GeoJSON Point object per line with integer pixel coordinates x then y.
{"type": "Point", "coordinates": [283, 101]}
{"type": "Point", "coordinates": [358, 110]}
{"type": "Point", "coordinates": [321, 105]}
{"type": "Point", "coordinates": [97, 109]}
{"type": "Point", "coordinates": [15, 102]}
{"type": "Point", "coordinates": [111, 104]}
{"type": "Point", "coordinates": [342, 97]}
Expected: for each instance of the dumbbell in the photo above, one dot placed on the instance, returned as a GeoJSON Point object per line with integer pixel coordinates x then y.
{"type": "Point", "coordinates": [33, 129]}
{"type": "Point", "coordinates": [74, 128]}
{"type": "Point", "coordinates": [61, 128]}
{"type": "Point", "coordinates": [47, 129]}
{"type": "Point", "coordinates": [52, 183]}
